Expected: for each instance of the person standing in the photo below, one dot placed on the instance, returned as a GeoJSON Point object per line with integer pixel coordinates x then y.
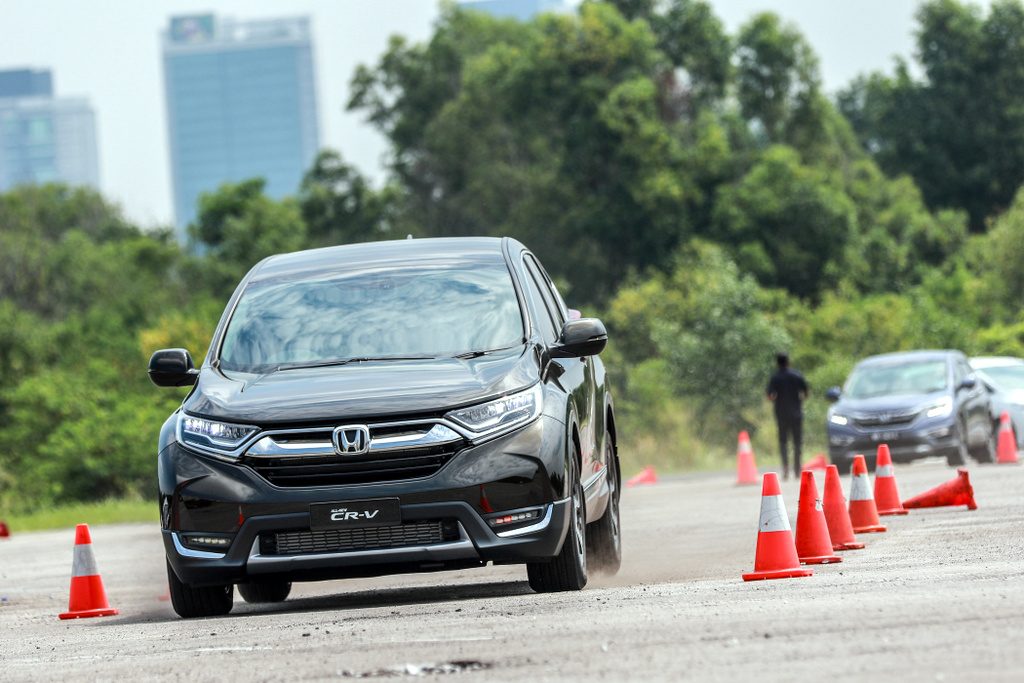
{"type": "Point", "coordinates": [787, 389]}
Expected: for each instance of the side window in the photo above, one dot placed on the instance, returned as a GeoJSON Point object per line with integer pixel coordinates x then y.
{"type": "Point", "coordinates": [541, 317]}
{"type": "Point", "coordinates": [562, 311]}
{"type": "Point", "coordinates": [958, 374]}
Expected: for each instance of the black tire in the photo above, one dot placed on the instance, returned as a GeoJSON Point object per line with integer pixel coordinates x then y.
{"type": "Point", "coordinates": [604, 537]}
{"type": "Point", "coordinates": [265, 591]}
{"type": "Point", "coordinates": [958, 457]}
{"type": "Point", "coordinates": [567, 571]}
{"type": "Point", "coordinates": [199, 601]}
{"type": "Point", "coordinates": [986, 452]}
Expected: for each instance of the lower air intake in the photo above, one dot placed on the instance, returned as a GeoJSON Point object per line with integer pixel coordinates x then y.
{"type": "Point", "coordinates": [353, 540]}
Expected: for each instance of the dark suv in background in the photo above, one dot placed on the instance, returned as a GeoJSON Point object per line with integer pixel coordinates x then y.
{"type": "Point", "coordinates": [389, 407]}
{"type": "Point", "coordinates": [920, 403]}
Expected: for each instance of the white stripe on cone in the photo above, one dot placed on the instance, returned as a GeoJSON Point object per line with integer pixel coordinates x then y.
{"type": "Point", "coordinates": [773, 514]}
{"type": "Point", "coordinates": [84, 564]}
{"type": "Point", "coordinates": [884, 471]}
{"type": "Point", "coordinates": [860, 489]}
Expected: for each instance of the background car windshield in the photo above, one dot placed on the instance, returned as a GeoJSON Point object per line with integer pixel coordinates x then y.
{"type": "Point", "coordinates": [422, 309]}
{"type": "Point", "coordinates": [923, 377]}
{"type": "Point", "coordinates": [1007, 377]}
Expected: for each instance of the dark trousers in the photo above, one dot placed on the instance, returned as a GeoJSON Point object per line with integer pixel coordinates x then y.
{"type": "Point", "coordinates": [790, 426]}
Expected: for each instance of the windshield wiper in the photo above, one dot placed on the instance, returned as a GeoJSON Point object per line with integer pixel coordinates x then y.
{"type": "Point", "coordinates": [476, 354]}
{"type": "Point", "coordinates": [346, 361]}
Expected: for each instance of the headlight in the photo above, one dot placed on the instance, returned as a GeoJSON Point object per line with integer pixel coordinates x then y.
{"type": "Point", "coordinates": [211, 435]}
{"type": "Point", "coordinates": [501, 414]}
{"type": "Point", "coordinates": [940, 409]}
{"type": "Point", "coordinates": [838, 420]}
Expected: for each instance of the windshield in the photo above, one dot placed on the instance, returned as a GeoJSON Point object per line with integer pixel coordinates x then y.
{"type": "Point", "coordinates": [921, 377]}
{"type": "Point", "coordinates": [1007, 377]}
{"type": "Point", "coordinates": [424, 309]}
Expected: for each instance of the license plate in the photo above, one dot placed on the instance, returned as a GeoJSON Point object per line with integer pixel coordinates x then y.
{"type": "Point", "coordinates": [355, 514]}
{"type": "Point", "coordinates": [885, 436]}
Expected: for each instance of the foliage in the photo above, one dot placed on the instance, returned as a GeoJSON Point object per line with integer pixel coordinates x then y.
{"type": "Point", "coordinates": [959, 129]}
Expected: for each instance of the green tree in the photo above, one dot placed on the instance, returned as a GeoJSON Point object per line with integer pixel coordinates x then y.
{"type": "Point", "coordinates": [958, 131]}
{"type": "Point", "coordinates": [786, 222]}
{"type": "Point", "coordinates": [339, 206]}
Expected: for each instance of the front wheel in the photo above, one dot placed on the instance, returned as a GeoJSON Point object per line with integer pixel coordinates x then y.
{"type": "Point", "coordinates": [986, 452]}
{"type": "Point", "coordinates": [567, 571]}
{"type": "Point", "coordinates": [958, 457]}
{"type": "Point", "coordinates": [604, 537]}
{"type": "Point", "coordinates": [199, 601]}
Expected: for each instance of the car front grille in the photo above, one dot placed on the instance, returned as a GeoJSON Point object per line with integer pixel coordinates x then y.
{"type": "Point", "coordinates": [410, 534]}
{"type": "Point", "coordinates": [292, 459]}
{"type": "Point", "coordinates": [875, 420]}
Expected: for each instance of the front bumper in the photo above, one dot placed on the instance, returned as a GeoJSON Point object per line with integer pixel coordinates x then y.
{"type": "Point", "coordinates": [905, 444]}
{"type": "Point", "coordinates": [523, 470]}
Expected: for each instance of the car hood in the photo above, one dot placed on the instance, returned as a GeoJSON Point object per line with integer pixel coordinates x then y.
{"type": "Point", "coordinates": [373, 389]}
{"type": "Point", "coordinates": [888, 404]}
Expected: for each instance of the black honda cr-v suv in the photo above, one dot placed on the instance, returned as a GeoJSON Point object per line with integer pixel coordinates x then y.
{"type": "Point", "coordinates": [386, 408]}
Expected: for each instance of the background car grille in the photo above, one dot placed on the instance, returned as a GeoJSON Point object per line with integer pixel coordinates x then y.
{"type": "Point", "coordinates": [339, 470]}
{"type": "Point", "coordinates": [348, 540]}
{"type": "Point", "coordinates": [884, 419]}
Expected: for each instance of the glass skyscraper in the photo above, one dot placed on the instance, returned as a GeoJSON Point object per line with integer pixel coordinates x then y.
{"type": "Point", "coordinates": [241, 103]}
{"type": "Point", "coordinates": [523, 10]}
{"type": "Point", "coordinates": [44, 138]}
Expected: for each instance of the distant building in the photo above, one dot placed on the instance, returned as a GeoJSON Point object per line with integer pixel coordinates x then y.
{"type": "Point", "coordinates": [523, 10]}
{"type": "Point", "coordinates": [44, 138]}
{"type": "Point", "coordinates": [241, 103]}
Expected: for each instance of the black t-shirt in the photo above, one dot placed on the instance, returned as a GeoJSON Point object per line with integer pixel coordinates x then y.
{"type": "Point", "coordinates": [788, 385]}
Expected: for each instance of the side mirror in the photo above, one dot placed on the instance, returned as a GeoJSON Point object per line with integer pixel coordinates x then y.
{"type": "Point", "coordinates": [833, 394]}
{"type": "Point", "coordinates": [968, 382]}
{"type": "Point", "coordinates": [581, 338]}
{"type": "Point", "coordinates": [172, 368]}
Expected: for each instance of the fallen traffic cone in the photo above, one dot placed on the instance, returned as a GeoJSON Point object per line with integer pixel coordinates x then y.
{"type": "Point", "coordinates": [954, 492]}
{"type": "Point", "coordinates": [813, 544]}
{"type": "Point", "coordinates": [863, 513]}
{"type": "Point", "coordinates": [887, 495]}
{"type": "Point", "coordinates": [88, 599]}
{"type": "Point", "coordinates": [836, 515]}
{"type": "Point", "coordinates": [646, 476]}
{"type": "Point", "coordinates": [818, 462]}
{"type": "Point", "coordinates": [5, 531]}
{"type": "Point", "coordinates": [1007, 448]}
{"type": "Point", "coordinates": [746, 470]}
{"type": "Point", "coordinates": [775, 557]}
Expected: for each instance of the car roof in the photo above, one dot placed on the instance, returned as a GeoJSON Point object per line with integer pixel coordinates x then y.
{"type": "Point", "coordinates": [910, 356]}
{"type": "Point", "coordinates": [342, 257]}
{"type": "Point", "coordinates": [982, 362]}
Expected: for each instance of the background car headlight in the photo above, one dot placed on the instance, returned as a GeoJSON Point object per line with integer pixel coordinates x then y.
{"type": "Point", "coordinates": [501, 414]}
{"type": "Point", "coordinates": [838, 419]}
{"type": "Point", "coordinates": [212, 435]}
{"type": "Point", "coordinates": [940, 409]}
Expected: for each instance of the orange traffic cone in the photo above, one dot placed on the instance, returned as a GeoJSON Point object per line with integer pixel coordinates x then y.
{"type": "Point", "coordinates": [836, 515]}
{"type": "Point", "coordinates": [813, 544]}
{"type": "Point", "coordinates": [1007, 448]}
{"type": "Point", "coordinates": [887, 496]}
{"type": "Point", "coordinates": [5, 531]}
{"type": "Point", "coordinates": [746, 470]}
{"type": "Point", "coordinates": [775, 557]}
{"type": "Point", "coordinates": [954, 492]}
{"type": "Point", "coordinates": [818, 462]}
{"type": "Point", "coordinates": [646, 476]}
{"type": "Point", "coordinates": [863, 513]}
{"type": "Point", "coordinates": [88, 599]}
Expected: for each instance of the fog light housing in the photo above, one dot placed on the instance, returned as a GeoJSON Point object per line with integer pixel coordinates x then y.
{"type": "Point", "coordinates": [940, 432]}
{"type": "Point", "coordinates": [510, 518]}
{"type": "Point", "coordinates": [201, 541]}
{"type": "Point", "coordinates": [840, 440]}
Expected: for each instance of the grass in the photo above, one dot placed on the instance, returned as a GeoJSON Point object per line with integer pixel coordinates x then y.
{"type": "Point", "coordinates": [105, 512]}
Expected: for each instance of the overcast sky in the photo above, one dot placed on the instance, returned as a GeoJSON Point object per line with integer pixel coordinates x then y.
{"type": "Point", "coordinates": [109, 51]}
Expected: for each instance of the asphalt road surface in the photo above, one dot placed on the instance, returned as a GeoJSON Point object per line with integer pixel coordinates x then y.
{"type": "Point", "coordinates": [938, 597]}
